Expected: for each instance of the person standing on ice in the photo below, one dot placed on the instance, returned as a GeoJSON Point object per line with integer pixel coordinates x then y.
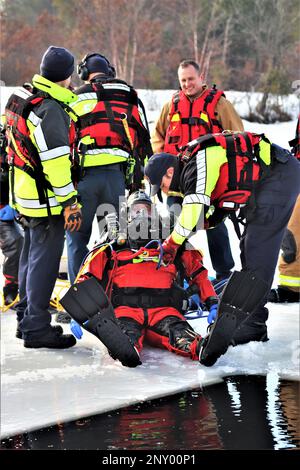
{"type": "Point", "coordinates": [42, 190]}
{"type": "Point", "coordinates": [11, 238]}
{"type": "Point", "coordinates": [111, 140]}
{"type": "Point", "coordinates": [146, 301]}
{"type": "Point", "coordinates": [193, 111]}
{"type": "Point", "coordinates": [288, 289]}
{"type": "Point", "coordinates": [217, 174]}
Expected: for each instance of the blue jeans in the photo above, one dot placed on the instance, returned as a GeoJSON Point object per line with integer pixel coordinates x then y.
{"type": "Point", "coordinates": [99, 185]}
{"type": "Point", "coordinates": [218, 243]}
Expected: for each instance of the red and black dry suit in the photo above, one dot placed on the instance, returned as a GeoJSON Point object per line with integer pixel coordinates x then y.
{"type": "Point", "coordinates": [144, 297]}
{"type": "Point", "coordinates": [11, 239]}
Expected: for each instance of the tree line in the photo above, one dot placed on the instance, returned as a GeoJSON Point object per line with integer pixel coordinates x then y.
{"type": "Point", "coordinates": [247, 45]}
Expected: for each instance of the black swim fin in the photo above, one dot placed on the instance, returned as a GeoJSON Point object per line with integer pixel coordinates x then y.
{"type": "Point", "coordinates": [88, 304]}
{"type": "Point", "coordinates": [240, 298]}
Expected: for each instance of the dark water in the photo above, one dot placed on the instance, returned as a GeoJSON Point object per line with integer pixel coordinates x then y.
{"type": "Point", "coordinates": [243, 412]}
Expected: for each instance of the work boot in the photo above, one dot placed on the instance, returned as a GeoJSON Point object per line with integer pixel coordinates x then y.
{"type": "Point", "coordinates": [250, 331]}
{"type": "Point", "coordinates": [52, 340]}
{"type": "Point", "coordinates": [57, 328]}
{"type": "Point", "coordinates": [282, 294]}
{"type": "Point", "coordinates": [63, 317]}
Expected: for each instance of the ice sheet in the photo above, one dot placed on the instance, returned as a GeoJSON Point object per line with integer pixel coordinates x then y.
{"type": "Point", "coordinates": [42, 387]}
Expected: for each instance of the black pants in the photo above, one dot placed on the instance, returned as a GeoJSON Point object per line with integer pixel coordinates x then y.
{"type": "Point", "coordinates": [100, 188]}
{"type": "Point", "coordinates": [11, 241]}
{"type": "Point", "coordinates": [275, 197]}
{"type": "Point", "coordinates": [39, 267]}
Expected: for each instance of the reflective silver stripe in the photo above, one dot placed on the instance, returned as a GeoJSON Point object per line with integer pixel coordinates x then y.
{"type": "Point", "coordinates": [85, 96]}
{"type": "Point", "coordinates": [116, 86]}
{"type": "Point", "coordinates": [201, 172]}
{"type": "Point", "coordinates": [196, 199]}
{"type": "Point", "coordinates": [142, 116]}
{"type": "Point", "coordinates": [35, 204]}
{"type": "Point", "coordinates": [115, 152]}
{"type": "Point", "coordinates": [40, 139]}
{"type": "Point", "coordinates": [54, 153]}
{"type": "Point", "coordinates": [22, 92]}
{"type": "Point", "coordinates": [228, 204]}
{"type": "Point", "coordinates": [63, 190]}
{"type": "Point", "coordinates": [34, 119]}
{"type": "Point", "coordinates": [193, 142]}
{"type": "Point", "coordinates": [184, 232]}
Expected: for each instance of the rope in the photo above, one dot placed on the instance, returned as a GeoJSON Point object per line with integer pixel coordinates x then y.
{"type": "Point", "coordinates": [3, 307]}
{"type": "Point", "coordinates": [17, 150]}
{"type": "Point", "coordinates": [60, 285]}
{"type": "Point", "coordinates": [89, 260]}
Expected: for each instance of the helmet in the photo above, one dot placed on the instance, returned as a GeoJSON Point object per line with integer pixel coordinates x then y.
{"type": "Point", "coordinates": [138, 196]}
{"type": "Point", "coordinates": [137, 203]}
{"type": "Point", "coordinates": [141, 216]}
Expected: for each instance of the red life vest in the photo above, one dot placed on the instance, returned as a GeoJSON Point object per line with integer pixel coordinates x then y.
{"type": "Point", "coordinates": [4, 188]}
{"type": "Point", "coordinates": [116, 100]}
{"type": "Point", "coordinates": [126, 271]}
{"type": "Point", "coordinates": [190, 120]}
{"type": "Point", "coordinates": [21, 153]}
{"type": "Point", "coordinates": [295, 143]}
{"type": "Point", "coordinates": [244, 166]}
{"type": "Point", "coordinates": [136, 282]}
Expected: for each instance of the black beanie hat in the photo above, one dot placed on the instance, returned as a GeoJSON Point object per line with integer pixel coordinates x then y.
{"type": "Point", "coordinates": [97, 64]}
{"type": "Point", "coordinates": [57, 64]}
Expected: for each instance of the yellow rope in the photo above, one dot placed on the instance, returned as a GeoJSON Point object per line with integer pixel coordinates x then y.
{"type": "Point", "coordinates": [89, 260]}
{"type": "Point", "coordinates": [59, 287]}
{"type": "Point", "coordinates": [3, 307]}
{"type": "Point", "coordinates": [126, 128]}
{"type": "Point", "coordinates": [17, 150]}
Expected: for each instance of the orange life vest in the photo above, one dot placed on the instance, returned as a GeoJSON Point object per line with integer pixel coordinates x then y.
{"type": "Point", "coordinates": [190, 120]}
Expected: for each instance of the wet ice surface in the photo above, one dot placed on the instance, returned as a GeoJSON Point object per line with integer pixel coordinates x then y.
{"type": "Point", "coordinates": [42, 387]}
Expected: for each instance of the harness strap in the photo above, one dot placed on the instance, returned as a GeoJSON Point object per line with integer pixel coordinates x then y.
{"type": "Point", "coordinates": [176, 99]}
{"type": "Point", "coordinates": [115, 95]}
{"type": "Point", "coordinates": [142, 297]}
{"type": "Point", "coordinates": [198, 271]}
{"type": "Point", "coordinates": [91, 119]}
{"type": "Point", "coordinates": [231, 158]}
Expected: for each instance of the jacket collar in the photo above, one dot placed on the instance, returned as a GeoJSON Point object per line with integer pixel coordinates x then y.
{"type": "Point", "coordinates": [59, 93]}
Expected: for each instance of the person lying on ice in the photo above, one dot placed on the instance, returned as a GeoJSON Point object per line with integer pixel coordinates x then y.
{"type": "Point", "coordinates": [216, 175]}
{"type": "Point", "coordinates": [145, 298]}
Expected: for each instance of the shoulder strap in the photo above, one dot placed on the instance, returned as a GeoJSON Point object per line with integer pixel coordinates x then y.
{"type": "Point", "coordinates": [175, 100]}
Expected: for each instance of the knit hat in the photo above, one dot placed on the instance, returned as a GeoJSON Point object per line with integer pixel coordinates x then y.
{"type": "Point", "coordinates": [57, 64]}
{"type": "Point", "coordinates": [97, 64]}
